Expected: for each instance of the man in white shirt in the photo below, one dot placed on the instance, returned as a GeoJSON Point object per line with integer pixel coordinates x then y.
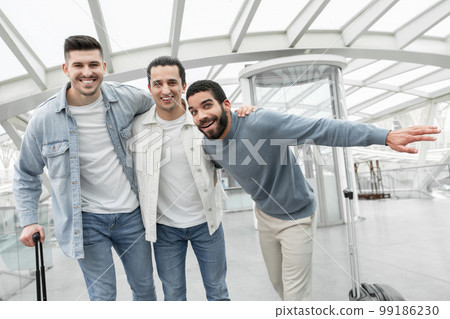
{"type": "Point", "coordinates": [178, 189]}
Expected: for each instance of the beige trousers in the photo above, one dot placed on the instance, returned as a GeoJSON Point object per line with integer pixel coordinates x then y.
{"type": "Point", "coordinates": [287, 247]}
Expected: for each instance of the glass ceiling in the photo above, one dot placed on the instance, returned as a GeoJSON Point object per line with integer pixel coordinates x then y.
{"type": "Point", "coordinates": [134, 23]}
{"type": "Point", "coordinates": [273, 17]}
{"type": "Point", "coordinates": [397, 54]}
{"type": "Point", "coordinates": [395, 17]}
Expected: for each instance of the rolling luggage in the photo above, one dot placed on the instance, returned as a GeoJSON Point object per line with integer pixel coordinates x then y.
{"type": "Point", "coordinates": [363, 291]}
{"type": "Point", "coordinates": [41, 288]}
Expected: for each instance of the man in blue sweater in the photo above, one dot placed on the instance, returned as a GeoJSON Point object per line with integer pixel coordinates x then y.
{"type": "Point", "coordinates": [255, 151]}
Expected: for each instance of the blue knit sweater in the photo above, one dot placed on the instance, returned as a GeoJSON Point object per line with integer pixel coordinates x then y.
{"type": "Point", "coordinates": [256, 153]}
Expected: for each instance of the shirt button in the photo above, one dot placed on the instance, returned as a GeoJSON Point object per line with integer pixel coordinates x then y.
{"type": "Point", "coordinates": [205, 190]}
{"type": "Point", "coordinates": [110, 126]}
{"type": "Point", "coordinates": [118, 147]}
{"type": "Point", "coordinates": [209, 209]}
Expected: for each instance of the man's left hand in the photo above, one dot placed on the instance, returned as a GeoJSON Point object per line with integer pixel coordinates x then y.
{"type": "Point", "coordinates": [398, 139]}
{"type": "Point", "coordinates": [243, 111]}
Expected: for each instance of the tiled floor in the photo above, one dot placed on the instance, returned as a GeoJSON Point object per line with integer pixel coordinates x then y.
{"type": "Point", "coordinates": [403, 243]}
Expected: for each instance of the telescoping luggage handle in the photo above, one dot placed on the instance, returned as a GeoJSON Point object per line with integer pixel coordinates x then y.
{"type": "Point", "coordinates": [40, 272]}
{"type": "Point", "coordinates": [354, 267]}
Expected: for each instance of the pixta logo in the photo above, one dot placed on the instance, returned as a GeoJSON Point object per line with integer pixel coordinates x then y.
{"type": "Point", "coordinates": [147, 149]}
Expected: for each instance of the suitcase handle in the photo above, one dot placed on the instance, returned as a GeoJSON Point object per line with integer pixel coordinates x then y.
{"type": "Point", "coordinates": [355, 292]}
{"type": "Point", "coordinates": [36, 238]}
{"type": "Point", "coordinates": [40, 272]}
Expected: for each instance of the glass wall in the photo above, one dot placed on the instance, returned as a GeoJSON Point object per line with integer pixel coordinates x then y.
{"type": "Point", "coordinates": [17, 262]}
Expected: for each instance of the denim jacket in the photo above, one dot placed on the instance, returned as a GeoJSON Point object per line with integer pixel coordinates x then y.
{"type": "Point", "coordinates": [51, 140]}
{"type": "Point", "coordinates": [146, 147]}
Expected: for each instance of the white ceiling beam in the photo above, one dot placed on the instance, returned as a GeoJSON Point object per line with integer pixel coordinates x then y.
{"type": "Point", "coordinates": [17, 140]}
{"type": "Point", "coordinates": [242, 23]}
{"type": "Point", "coordinates": [421, 24]}
{"type": "Point", "coordinates": [365, 19]}
{"type": "Point", "coordinates": [12, 133]}
{"type": "Point", "coordinates": [215, 71]}
{"type": "Point", "coordinates": [380, 86]}
{"type": "Point", "coordinates": [25, 104]}
{"type": "Point", "coordinates": [211, 71]}
{"type": "Point", "coordinates": [19, 122]}
{"type": "Point", "coordinates": [387, 87]}
{"type": "Point", "coordinates": [268, 96]}
{"type": "Point", "coordinates": [23, 52]}
{"type": "Point", "coordinates": [102, 34]}
{"type": "Point", "coordinates": [357, 64]}
{"type": "Point", "coordinates": [437, 76]}
{"type": "Point", "coordinates": [12, 107]}
{"type": "Point", "coordinates": [391, 71]}
{"type": "Point", "coordinates": [299, 26]}
{"type": "Point", "coordinates": [442, 95]}
{"type": "Point", "coordinates": [361, 106]}
{"type": "Point", "coordinates": [395, 108]}
{"type": "Point", "coordinates": [351, 90]}
{"type": "Point", "coordinates": [233, 96]}
{"type": "Point", "coordinates": [175, 27]}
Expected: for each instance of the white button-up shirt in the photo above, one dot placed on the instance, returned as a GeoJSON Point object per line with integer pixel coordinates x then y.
{"type": "Point", "coordinates": [146, 147]}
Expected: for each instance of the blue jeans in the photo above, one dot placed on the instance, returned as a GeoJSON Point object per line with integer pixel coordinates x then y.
{"type": "Point", "coordinates": [170, 255]}
{"type": "Point", "coordinates": [124, 232]}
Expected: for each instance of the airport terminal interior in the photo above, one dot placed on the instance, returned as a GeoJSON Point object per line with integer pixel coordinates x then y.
{"type": "Point", "coordinates": [381, 62]}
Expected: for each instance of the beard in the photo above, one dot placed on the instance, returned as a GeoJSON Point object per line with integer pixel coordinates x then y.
{"type": "Point", "coordinates": [222, 123]}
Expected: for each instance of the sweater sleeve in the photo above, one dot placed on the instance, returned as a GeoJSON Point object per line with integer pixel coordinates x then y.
{"type": "Point", "coordinates": [328, 132]}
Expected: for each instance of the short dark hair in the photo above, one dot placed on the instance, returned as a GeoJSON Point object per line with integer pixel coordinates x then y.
{"type": "Point", "coordinates": [82, 43]}
{"type": "Point", "coordinates": [167, 60]}
{"type": "Point", "coordinates": [207, 85]}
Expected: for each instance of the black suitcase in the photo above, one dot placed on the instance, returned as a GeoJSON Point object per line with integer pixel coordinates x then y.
{"type": "Point", "coordinates": [41, 289]}
{"type": "Point", "coordinates": [363, 291]}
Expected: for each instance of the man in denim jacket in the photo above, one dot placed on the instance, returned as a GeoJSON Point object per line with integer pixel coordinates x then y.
{"type": "Point", "coordinates": [80, 136]}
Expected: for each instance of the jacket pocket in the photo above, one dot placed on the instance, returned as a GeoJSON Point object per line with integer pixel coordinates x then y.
{"type": "Point", "coordinates": [57, 155]}
{"type": "Point", "coordinates": [126, 132]}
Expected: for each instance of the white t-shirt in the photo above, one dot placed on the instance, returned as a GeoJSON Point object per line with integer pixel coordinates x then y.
{"type": "Point", "coordinates": [179, 204]}
{"type": "Point", "coordinates": [105, 188]}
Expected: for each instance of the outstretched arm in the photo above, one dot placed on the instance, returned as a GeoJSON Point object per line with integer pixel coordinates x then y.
{"type": "Point", "coordinates": [398, 139]}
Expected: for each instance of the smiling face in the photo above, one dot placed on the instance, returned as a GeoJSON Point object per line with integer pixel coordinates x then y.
{"type": "Point", "coordinates": [166, 88]}
{"type": "Point", "coordinates": [85, 69]}
{"type": "Point", "coordinates": [211, 117]}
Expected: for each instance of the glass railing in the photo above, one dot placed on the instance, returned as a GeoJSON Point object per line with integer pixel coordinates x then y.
{"type": "Point", "coordinates": [432, 181]}
{"type": "Point", "coordinates": [17, 262]}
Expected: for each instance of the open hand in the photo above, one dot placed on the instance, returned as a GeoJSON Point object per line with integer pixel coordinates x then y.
{"type": "Point", "coordinates": [398, 139]}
